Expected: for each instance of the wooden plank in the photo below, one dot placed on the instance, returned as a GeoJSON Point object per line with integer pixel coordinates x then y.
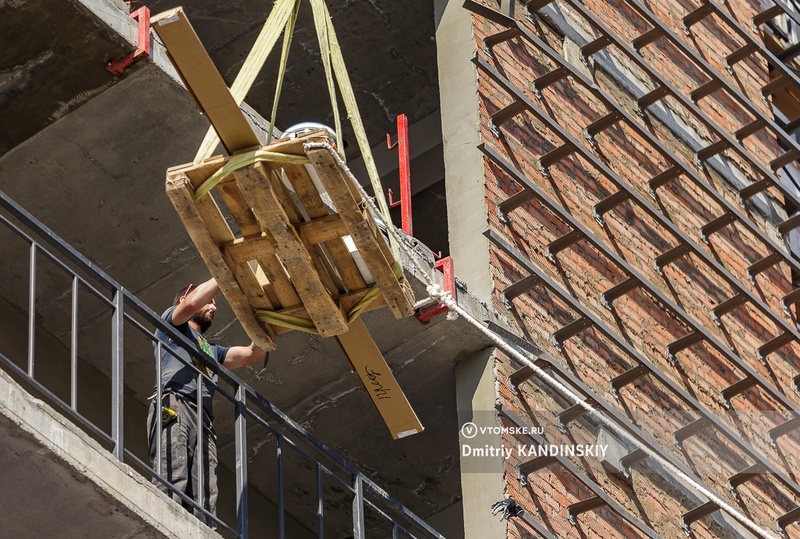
{"type": "Point", "coordinates": [203, 80]}
{"type": "Point", "coordinates": [281, 285]}
{"type": "Point", "coordinates": [399, 299]}
{"type": "Point", "coordinates": [387, 252]}
{"type": "Point", "coordinates": [215, 222]}
{"type": "Point", "coordinates": [381, 385]}
{"type": "Point", "coordinates": [294, 146]}
{"type": "Point", "coordinates": [197, 173]}
{"type": "Point", "coordinates": [323, 229]}
{"type": "Point", "coordinates": [262, 250]}
{"type": "Point", "coordinates": [239, 209]}
{"type": "Point", "coordinates": [266, 285]}
{"type": "Point", "coordinates": [318, 256]}
{"type": "Point", "coordinates": [251, 287]}
{"type": "Point", "coordinates": [306, 191]}
{"type": "Point", "coordinates": [250, 248]}
{"type": "Point", "coordinates": [182, 196]}
{"type": "Point", "coordinates": [347, 302]}
{"type": "Point", "coordinates": [200, 173]}
{"type": "Point", "coordinates": [258, 192]}
{"type": "Point", "coordinates": [340, 254]}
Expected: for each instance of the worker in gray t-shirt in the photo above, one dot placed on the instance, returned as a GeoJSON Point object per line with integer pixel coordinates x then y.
{"type": "Point", "coordinates": [191, 314]}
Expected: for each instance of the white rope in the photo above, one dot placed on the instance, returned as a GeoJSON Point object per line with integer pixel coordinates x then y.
{"type": "Point", "coordinates": [444, 297]}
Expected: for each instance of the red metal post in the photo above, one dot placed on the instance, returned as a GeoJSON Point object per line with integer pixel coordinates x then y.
{"type": "Point", "coordinates": [404, 158]}
{"type": "Point", "coordinates": [445, 265]}
{"type": "Point", "coordinates": [142, 16]}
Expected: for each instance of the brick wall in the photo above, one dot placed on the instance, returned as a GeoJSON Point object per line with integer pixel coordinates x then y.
{"type": "Point", "coordinates": [630, 237]}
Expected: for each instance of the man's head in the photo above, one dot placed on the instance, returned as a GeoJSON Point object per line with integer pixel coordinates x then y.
{"type": "Point", "coordinates": [202, 318]}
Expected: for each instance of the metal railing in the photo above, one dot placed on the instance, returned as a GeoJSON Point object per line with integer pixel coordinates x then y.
{"type": "Point", "coordinates": [333, 483]}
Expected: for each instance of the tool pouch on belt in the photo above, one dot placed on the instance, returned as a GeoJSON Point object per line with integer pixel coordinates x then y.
{"type": "Point", "coordinates": [168, 413]}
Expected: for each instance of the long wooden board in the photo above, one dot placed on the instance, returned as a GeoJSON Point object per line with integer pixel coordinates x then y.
{"type": "Point", "coordinates": [203, 80]}
{"type": "Point", "coordinates": [381, 385]}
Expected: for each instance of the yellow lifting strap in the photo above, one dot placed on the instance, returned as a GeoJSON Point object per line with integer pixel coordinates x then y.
{"type": "Point", "coordinates": [302, 324]}
{"type": "Point", "coordinates": [242, 160]}
{"type": "Point", "coordinates": [282, 20]}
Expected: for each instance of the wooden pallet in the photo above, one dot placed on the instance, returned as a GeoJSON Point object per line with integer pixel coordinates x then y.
{"type": "Point", "coordinates": [287, 253]}
{"type": "Point", "coordinates": [274, 245]}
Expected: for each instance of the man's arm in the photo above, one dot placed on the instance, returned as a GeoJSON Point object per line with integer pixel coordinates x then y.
{"type": "Point", "coordinates": [196, 300]}
{"type": "Point", "coordinates": [239, 356]}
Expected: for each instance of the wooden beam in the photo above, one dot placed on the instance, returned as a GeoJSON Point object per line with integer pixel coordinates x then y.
{"type": "Point", "coordinates": [203, 80]}
{"type": "Point", "coordinates": [323, 229]}
{"type": "Point", "coordinates": [381, 385]}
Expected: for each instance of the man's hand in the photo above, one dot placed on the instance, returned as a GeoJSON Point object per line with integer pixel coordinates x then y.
{"type": "Point", "coordinates": [239, 356]}
{"type": "Point", "coordinates": [194, 301]}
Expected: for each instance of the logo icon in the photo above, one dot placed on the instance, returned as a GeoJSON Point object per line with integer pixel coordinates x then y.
{"type": "Point", "coordinates": [469, 429]}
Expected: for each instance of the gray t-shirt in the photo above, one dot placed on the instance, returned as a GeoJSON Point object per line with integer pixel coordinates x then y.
{"type": "Point", "coordinates": [178, 377]}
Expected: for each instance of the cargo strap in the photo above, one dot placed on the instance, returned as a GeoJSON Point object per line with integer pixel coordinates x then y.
{"type": "Point", "coordinates": [282, 19]}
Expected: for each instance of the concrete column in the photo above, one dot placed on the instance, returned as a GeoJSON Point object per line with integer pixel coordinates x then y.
{"type": "Point", "coordinates": [464, 178]}
{"type": "Point", "coordinates": [481, 477]}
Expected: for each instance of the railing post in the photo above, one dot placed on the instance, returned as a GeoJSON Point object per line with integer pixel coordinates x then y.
{"type": "Point", "coordinates": [32, 310]}
{"type": "Point", "coordinates": [240, 433]}
{"type": "Point", "coordinates": [200, 447]}
{"type": "Point", "coordinates": [281, 500]}
{"type": "Point", "coordinates": [73, 347]}
{"type": "Point", "coordinates": [117, 386]}
{"type": "Point", "coordinates": [320, 505]}
{"type": "Point", "coordinates": [404, 171]}
{"type": "Point", "coordinates": [158, 405]}
{"type": "Point", "coordinates": [359, 530]}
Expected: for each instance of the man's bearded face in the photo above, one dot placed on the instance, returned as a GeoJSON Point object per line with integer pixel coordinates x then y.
{"type": "Point", "coordinates": [204, 317]}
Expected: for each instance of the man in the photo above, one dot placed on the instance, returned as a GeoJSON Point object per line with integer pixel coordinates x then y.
{"type": "Point", "coordinates": [191, 314]}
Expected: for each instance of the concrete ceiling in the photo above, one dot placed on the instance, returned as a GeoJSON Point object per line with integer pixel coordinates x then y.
{"type": "Point", "coordinates": [86, 153]}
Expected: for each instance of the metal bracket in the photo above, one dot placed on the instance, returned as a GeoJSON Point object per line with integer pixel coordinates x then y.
{"type": "Point", "coordinates": [627, 377]}
{"type": "Point", "coordinates": [727, 306]}
{"type": "Point", "coordinates": [690, 430]}
{"type": "Point", "coordinates": [404, 159]}
{"type": "Point", "coordinates": [715, 225]}
{"type": "Point", "coordinates": [575, 509]}
{"type": "Point", "coordinates": [745, 475]}
{"type": "Point", "coordinates": [696, 514]}
{"type": "Point", "coordinates": [570, 330]}
{"type": "Point", "coordinates": [445, 265]}
{"type": "Point", "coordinates": [142, 16]}
{"type": "Point", "coordinates": [734, 389]}
{"type": "Point", "coordinates": [781, 430]}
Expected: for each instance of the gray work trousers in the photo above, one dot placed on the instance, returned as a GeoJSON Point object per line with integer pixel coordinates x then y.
{"type": "Point", "coordinates": [180, 464]}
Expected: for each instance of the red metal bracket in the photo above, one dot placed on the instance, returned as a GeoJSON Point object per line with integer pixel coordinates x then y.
{"type": "Point", "coordinates": [445, 265]}
{"type": "Point", "coordinates": [142, 16]}
{"type": "Point", "coordinates": [404, 159]}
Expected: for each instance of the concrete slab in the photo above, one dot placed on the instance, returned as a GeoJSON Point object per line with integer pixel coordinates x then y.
{"type": "Point", "coordinates": [61, 483]}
